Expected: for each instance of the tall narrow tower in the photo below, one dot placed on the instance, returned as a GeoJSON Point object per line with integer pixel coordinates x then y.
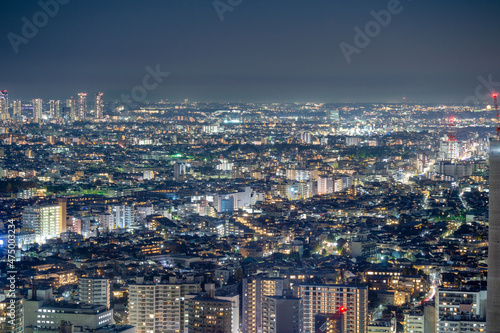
{"type": "Point", "coordinates": [4, 105]}
{"type": "Point", "coordinates": [98, 105]}
{"type": "Point", "coordinates": [82, 106]}
{"type": "Point", "coordinates": [493, 298]}
{"type": "Point", "coordinates": [37, 109]}
{"type": "Point", "coordinates": [70, 103]}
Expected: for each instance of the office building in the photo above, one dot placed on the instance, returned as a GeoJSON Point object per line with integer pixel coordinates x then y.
{"type": "Point", "coordinates": [159, 307]}
{"type": "Point", "coordinates": [82, 106]}
{"type": "Point", "coordinates": [71, 106]}
{"type": "Point", "coordinates": [98, 105]}
{"type": "Point", "coordinates": [16, 110]}
{"type": "Point", "coordinates": [281, 314]}
{"type": "Point", "coordinates": [329, 299]}
{"type": "Point", "coordinates": [47, 316]}
{"type": "Point", "coordinates": [254, 289]}
{"type": "Point", "coordinates": [37, 109]}
{"type": "Point", "coordinates": [93, 290]}
{"type": "Point", "coordinates": [54, 109]}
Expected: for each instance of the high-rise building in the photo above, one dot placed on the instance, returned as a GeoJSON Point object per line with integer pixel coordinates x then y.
{"type": "Point", "coordinates": [37, 109]}
{"type": "Point", "coordinates": [55, 109]}
{"type": "Point", "coordinates": [254, 289]}
{"type": "Point", "coordinates": [325, 185]}
{"type": "Point", "coordinates": [92, 290]}
{"type": "Point", "coordinates": [124, 216]}
{"type": "Point", "coordinates": [45, 221]}
{"type": "Point", "coordinates": [159, 307]}
{"type": "Point", "coordinates": [461, 311]}
{"type": "Point", "coordinates": [16, 106]}
{"type": "Point", "coordinates": [210, 315]}
{"type": "Point", "coordinates": [98, 105]}
{"type": "Point", "coordinates": [71, 105]}
{"type": "Point", "coordinates": [493, 302]}
{"type": "Point", "coordinates": [329, 299]}
{"type": "Point", "coordinates": [281, 314]}
{"type": "Point", "coordinates": [180, 170]}
{"type": "Point", "coordinates": [82, 106]}
{"type": "Point", "coordinates": [12, 315]}
{"type": "Point", "coordinates": [4, 104]}
{"type": "Point", "coordinates": [107, 221]}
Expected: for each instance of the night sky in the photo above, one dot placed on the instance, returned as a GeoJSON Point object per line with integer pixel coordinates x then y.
{"type": "Point", "coordinates": [263, 50]}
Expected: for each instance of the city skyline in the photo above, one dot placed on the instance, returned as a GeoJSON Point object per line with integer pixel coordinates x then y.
{"type": "Point", "coordinates": [258, 52]}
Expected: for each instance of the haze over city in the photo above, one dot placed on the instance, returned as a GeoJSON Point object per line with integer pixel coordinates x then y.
{"type": "Point", "coordinates": [262, 51]}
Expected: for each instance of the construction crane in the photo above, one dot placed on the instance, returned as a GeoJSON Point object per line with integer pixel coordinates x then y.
{"type": "Point", "coordinates": [495, 95]}
{"type": "Point", "coordinates": [324, 327]}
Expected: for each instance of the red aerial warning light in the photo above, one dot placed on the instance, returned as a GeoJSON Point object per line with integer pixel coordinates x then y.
{"type": "Point", "coordinates": [342, 309]}
{"type": "Point", "coordinates": [495, 95]}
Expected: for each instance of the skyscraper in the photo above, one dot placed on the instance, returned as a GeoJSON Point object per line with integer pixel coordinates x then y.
{"type": "Point", "coordinates": [82, 106]}
{"type": "Point", "coordinates": [37, 109]}
{"type": "Point", "coordinates": [4, 105]}
{"type": "Point", "coordinates": [493, 300]}
{"type": "Point", "coordinates": [16, 109]}
{"type": "Point", "coordinates": [55, 109]}
{"type": "Point", "coordinates": [98, 104]}
{"type": "Point", "coordinates": [71, 105]}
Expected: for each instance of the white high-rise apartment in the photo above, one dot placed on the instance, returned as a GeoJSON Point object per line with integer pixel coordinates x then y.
{"type": "Point", "coordinates": [45, 221]}
{"type": "Point", "coordinates": [98, 105]}
{"type": "Point", "coordinates": [82, 106]}
{"type": "Point", "coordinates": [37, 109]}
{"type": "Point", "coordinates": [460, 311]}
{"type": "Point", "coordinates": [124, 216]}
{"type": "Point", "coordinates": [93, 290]}
{"type": "Point", "coordinates": [55, 109]}
{"type": "Point", "coordinates": [159, 307]}
{"type": "Point", "coordinates": [16, 109]}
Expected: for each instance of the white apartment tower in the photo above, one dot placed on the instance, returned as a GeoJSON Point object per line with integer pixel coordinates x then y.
{"type": "Point", "coordinates": [159, 307]}
{"type": "Point", "coordinates": [94, 290]}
